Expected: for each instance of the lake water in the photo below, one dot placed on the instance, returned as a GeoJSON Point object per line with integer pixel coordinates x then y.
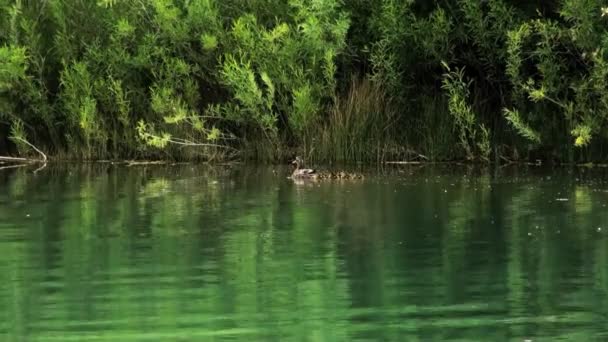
{"type": "Point", "coordinates": [198, 253]}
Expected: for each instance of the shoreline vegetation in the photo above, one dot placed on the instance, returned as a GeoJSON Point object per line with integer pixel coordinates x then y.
{"type": "Point", "coordinates": [382, 82]}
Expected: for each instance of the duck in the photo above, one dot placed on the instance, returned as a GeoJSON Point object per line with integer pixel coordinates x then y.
{"type": "Point", "coordinates": [302, 173]}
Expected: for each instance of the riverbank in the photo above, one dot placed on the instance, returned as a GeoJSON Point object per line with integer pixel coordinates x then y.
{"type": "Point", "coordinates": [333, 81]}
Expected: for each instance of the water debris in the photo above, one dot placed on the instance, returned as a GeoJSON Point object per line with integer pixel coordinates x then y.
{"type": "Point", "coordinates": [25, 161]}
{"type": "Point", "coordinates": [145, 162]}
{"type": "Point", "coordinates": [414, 162]}
{"type": "Point", "coordinates": [562, 199]}
{"type": "Point", "coordinates": [13, 166]}
{"type": "Point", "coordinates": [43, 158]}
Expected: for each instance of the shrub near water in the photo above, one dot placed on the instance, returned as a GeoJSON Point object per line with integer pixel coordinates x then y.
{"type": "Point", "coordinates": [129, 78]}
{"type": "Point", "coordinates": [535, 72]}
{"type": "Point", "coordinates": [458, 79]}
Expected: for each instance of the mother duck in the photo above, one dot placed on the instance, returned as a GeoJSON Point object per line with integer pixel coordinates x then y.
{"type": "Point", "coordinates": [302, 173]}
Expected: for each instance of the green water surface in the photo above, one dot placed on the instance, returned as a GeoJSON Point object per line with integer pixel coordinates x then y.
{"type": "Point", "coordinates": [196, 253]}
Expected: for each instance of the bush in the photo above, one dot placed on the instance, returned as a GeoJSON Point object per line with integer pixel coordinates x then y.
{"type": "Point", "coordinates": [208, 78]}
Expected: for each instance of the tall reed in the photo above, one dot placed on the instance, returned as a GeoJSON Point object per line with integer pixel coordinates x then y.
{"type": "Point", "coordinates": [359, 127]}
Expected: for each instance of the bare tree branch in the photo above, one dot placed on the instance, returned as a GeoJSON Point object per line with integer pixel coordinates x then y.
{"type": "Point", "coordinates": [14, 159]}
{"type": "Point", "coordinates": [25, 161]}
{"type": "Point", "coordinates": [44, 159]}
{"type": "Point", "coordinates": [184, 142]}
{"type": "Point", "coordinates": [13, 166]}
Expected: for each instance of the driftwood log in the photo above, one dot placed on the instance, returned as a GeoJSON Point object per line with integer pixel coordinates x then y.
{"type": "Point", "coordinates": [21, 162]}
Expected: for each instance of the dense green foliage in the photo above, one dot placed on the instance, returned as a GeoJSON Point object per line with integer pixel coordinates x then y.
{"type": "Point", "coordinates": [335, 80]}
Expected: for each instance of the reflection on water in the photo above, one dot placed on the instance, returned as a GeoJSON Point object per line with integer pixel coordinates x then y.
{"type": "Point", "coordinates": [192, 253]}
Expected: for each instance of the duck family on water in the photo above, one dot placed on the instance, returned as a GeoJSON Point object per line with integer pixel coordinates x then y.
{"type": "Point", "coordinates": [304, 173]}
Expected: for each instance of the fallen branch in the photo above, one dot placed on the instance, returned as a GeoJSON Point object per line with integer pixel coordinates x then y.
{"type": "Point", "coordinates": [135, 163]}
{"type": "Point", "coordinates": [184, 142]}
{"type": "Point", "coordinates": [44, 159]}
{"type": "Point", "coordinates": [25, 161]}
{"type": "Point", "coordinates": [414, 162]}
{"type": "Point", "coordinates": [14, 159]}
{"type": "Point", "coordinates": [13, 166]}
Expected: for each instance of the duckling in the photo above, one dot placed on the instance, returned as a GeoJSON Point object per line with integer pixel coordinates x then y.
{"type": "Point", "coordinates": [300, 173]}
